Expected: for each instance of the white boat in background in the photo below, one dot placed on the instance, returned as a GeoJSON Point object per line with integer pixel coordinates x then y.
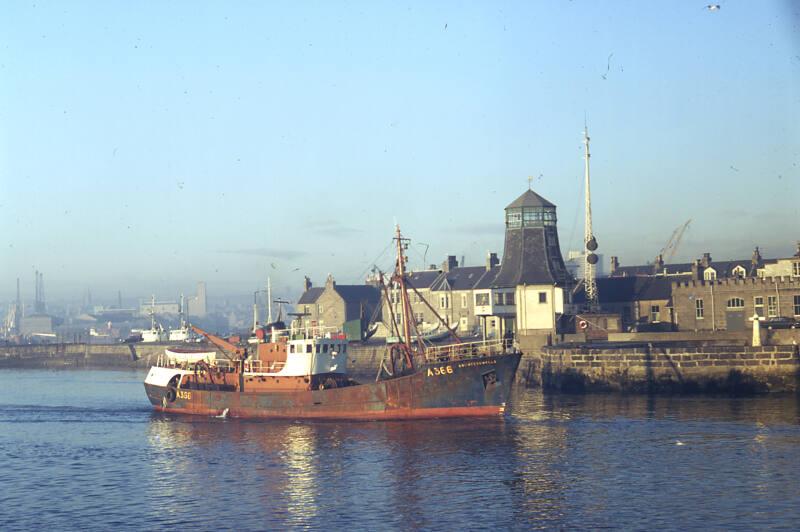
{"type": "Point", "coordinates": [156, 332]}
{"type": "Point", "coordinates": [181, 334]}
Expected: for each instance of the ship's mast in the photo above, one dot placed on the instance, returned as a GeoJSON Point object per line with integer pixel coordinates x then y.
{"type": "Point", "coordinates": [400, 279]}
{"type": "Point", "coordinates": [590, 259]}
{"type": "Point", "coordinates": [269, 299]}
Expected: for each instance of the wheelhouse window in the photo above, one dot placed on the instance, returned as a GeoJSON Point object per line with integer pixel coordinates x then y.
{"type": "Point", "coordinates": [309, 348]}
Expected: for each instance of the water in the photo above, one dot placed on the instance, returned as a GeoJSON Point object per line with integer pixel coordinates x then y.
{"type": "Point", "coordinates": [83, 450]}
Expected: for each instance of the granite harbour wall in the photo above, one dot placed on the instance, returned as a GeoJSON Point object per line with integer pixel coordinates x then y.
{"type": "Point", "coordinates": [647, 369]}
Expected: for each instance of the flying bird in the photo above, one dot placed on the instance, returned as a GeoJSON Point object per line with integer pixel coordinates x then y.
{"type": "Point", "coordinates": [608, 66]}
{"type": "Point", "coordinates": [713, 7]}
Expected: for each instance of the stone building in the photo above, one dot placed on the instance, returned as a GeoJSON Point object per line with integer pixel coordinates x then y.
{"type": "Point", "coordinates": [722, 295]}
{"type": "Point", "coordinates": [643, 303]}
{"type": "Point", "coordinates": [348, 308]}
{"type": "Point", "coordinates": [449, 293]}
{"type": "Point", "coordinates": [729, 304]}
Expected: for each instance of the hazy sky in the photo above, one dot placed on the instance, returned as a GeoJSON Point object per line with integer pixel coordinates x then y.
{"type": "Point", "coordinates": [148, 145]}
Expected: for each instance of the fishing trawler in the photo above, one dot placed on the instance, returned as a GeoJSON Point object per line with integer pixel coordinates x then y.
{"type": "Point", "coordinates": [301, 373]}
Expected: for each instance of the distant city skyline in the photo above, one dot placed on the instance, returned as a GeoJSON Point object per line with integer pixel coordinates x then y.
{"type": "Point", "coordinates": [145, 148]}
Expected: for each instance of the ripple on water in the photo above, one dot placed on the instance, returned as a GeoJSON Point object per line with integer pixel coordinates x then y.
{"type": "Point", "coordinates": [87, 452]}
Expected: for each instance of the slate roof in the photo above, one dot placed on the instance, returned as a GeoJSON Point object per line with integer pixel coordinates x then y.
{"type": "Point", "coordinates": [629, 289]}
{"type": "Point", "coordinates": [527, 259]}
{"type": "Point", "coordinates": [356, 295]}
{"type": "Point", "coordinates": [423, 279]}
{"type": "Point", "coordinates": [724, 268]}
{"type": "Point", "coordinates": [487, 278]}
{"type": "Point", "coordinates": [529, 198]}
{"type": "Point", "coordinates": [310, 296]}
{"type": "Point", "coordinates": [463, 278]}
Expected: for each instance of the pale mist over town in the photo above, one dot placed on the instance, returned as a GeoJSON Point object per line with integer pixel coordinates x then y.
{"type": "Point", "coordinates": [147, 147]}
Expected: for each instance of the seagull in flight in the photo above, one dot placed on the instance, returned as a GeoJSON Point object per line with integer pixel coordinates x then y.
{"type": "Point", "coordinates": [713, 7]}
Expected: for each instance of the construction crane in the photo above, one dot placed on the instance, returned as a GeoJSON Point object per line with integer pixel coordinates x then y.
{"type": "Point", "coordinates": [671, 247]}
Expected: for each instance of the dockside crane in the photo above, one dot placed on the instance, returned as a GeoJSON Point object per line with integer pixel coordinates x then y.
{"type": "Point", "coordinates": [671, 247]}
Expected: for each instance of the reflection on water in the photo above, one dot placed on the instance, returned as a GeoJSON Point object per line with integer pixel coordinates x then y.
{"type": "Point", "coordinates": [87, 450]}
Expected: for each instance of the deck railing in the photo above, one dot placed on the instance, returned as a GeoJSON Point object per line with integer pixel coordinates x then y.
{"type": "Point", "coordinates": [442, 353]}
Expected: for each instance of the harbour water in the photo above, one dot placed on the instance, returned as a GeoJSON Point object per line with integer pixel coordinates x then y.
{"type": "Point", "coordinates": [83, 450]}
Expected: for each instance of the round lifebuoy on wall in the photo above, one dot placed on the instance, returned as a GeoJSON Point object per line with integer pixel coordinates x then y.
{"type": "Point", "coordinates": [583, 324]}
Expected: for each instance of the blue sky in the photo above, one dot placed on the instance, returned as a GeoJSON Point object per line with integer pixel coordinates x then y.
{"type": "Point", "coordinates": [145, 146]}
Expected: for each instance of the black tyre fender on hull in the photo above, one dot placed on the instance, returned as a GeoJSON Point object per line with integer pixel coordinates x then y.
{"type": "Point", "coordinates": [171, 394]}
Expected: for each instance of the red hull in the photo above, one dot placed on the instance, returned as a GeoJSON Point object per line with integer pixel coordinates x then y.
{"type": "Point", "coordinates": [473, 387]}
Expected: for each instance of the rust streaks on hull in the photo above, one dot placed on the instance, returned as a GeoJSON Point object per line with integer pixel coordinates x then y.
{"type": "Point", "coordinates": [478, 388]}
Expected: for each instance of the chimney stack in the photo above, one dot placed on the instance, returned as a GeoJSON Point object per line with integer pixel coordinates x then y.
{"type": "Point", "coordinates": [756, 259]}
{"type": "Point", "coordinates": [491, 261]}
{"type": "Point", "coordinates": [658, 267]}
{"type": "Point", "coordinates": [696, 270]}
{"type": "Point", "coordinates": [614, 264]}
{"type": "Point", "coordinates": [705, 262]}
{"type": "Point", "coordinates": [450, 263]}
{"type": "Point", "coordinates": [306, 283]}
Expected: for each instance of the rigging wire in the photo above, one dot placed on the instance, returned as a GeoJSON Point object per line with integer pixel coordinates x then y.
{"type": "Point", "coordinates": [373, 262]}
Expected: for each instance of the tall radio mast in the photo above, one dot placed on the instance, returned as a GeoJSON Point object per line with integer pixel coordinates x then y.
{"type": "Point", "coordinates": [590, 259]}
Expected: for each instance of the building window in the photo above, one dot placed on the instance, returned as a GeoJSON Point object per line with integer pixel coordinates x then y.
{"type": "Point", "coordinates": [319, 309]}
{"type": "Point", "coordinates": [699, 311]}
{"type": "Point", "coordinates": [510, 298]}
{"type": "Point", "coordinates": [305, 309]}
{"type": "Point", "coordinates": [418, 317]}
{"type": "Point", "coordinates": [463, 300]}
{"type": "Point", "coordinates": [758, 305]}
{"type": "Point", "coordinates": [498, 298]}
{"type": "Point", "coordinates": [772, 306]}
{"type": "Point", "coordinates": [735, 303]}
{"type": "Point", "coordinates": [481, 300]}
{"type": "Point", "coordinates": [709, 274]}
{"type": "Point", "coordinates": [542, 297]}
{"type": "Point", "coordinates": [797, 305]}
{"type": "Point", "coordinates": [514, 218]}
{"type": "Point", "coordinates": [444, 301]}
{"type": "Point", "coordinates": [655, 313]}
{"type": "Point", "coordinates": [739, 272]}
{"type": "Point", "coordinates": [796, 269]}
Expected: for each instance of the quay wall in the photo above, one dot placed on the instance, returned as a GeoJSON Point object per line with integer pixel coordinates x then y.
{"type": "Point", "coordinates": [638, 369]}
{"type": "Point", "coordinates": [80, 355]}
{"type": "Point", "coordinates": [654, 369]}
